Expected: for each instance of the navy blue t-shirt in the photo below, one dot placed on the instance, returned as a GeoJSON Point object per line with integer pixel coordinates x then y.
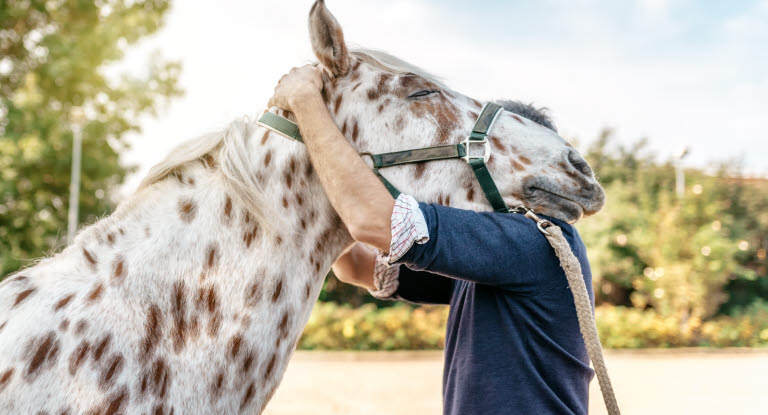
{"type": "Point", "coordinates": [512, 344]}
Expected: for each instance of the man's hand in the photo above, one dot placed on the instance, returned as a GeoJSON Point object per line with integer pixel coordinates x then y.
{"type": "Point", "coordinates": [297, 86]}
{"type": "Point", "coordinates": [363, 203]}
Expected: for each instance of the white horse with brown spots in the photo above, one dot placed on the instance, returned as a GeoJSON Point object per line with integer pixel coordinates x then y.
{"type": "Point", "coordinates": [190, 298]}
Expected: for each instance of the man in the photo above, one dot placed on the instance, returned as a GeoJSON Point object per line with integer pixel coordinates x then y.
{"type": "Point", "coordinates": [513, 344]}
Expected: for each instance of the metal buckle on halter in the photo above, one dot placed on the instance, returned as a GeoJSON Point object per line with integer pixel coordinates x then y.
{"type": "Point", "coordinates": [486, 149]}
{"type": "Point", "coordinates": [541, 223]}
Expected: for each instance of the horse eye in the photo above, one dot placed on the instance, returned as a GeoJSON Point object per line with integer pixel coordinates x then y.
{"type": "Point", "coordinates": [422, 94]}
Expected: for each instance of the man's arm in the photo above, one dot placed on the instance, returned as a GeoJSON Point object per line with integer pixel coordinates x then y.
{"type": "Point", "coordinates": [357, 266]}
{"type": "Point", "coordinates": [362, 202]}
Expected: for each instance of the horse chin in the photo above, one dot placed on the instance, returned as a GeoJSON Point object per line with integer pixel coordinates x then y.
{"type": "Point", "coordinates": [555, 205]}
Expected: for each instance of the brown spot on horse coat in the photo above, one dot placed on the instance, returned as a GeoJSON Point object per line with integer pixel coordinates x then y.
{"type": "Point", "coordinates": [114, 366]}
{"type": "Point", "coordinates": [498, 145]}
{"type": "Point", "coordinates": [214, 323]}
{"type": "Point", "coordinates": [270, 366]}
{"type": "Point", "coordinates": [278, 289]}
{"type": "Point", "coordinates": [265, 137]}
{"type": "Point", "coordinates": [112, 404]}
{"type": "Point", "coordinates": [95, 293]}
{"type": "Point", "coordinates": [178, 310]}
{"type": "Point", "coordinates": [187, 210]}
{"type": "Point", "coordinates": [518, 119]}
{"type": "Point", "coordinates": [337, 104]}
{"type": "Point", "coordinates": [524, 160]}
{"type": "Point", "coordinates": [23, 296]}
{"type": "Point", "coordinates": [90, 259]}
{"type": "Point", "coordinates": [101, 347]}
{"type": "Point", "coordinates": [267, 159]}
{"type": "Point", "coordinates": [248, 396]}
{"type": "Point", "coordinates": [250, 357]}
{"type": "Point", "coordinates": [153, 331]}
{"type": "Point", "coordinates": [78, 356]}
{"type": "Point", "coordinates": [64, 325]}
{"type": "Point", "coordinates": [208, 161]}
{"type": "Point", "coordinates": [111, 238]}
{"type": "Point", "coordinates": [211, 257]}
{"type": "Point", "coordinates": [5, 378]}
{"type": "Point", "coordinates": [217, 385]}
{"type": "Point", "coordinates": [418, 170]}
{"type": "Point", "coordinates": [254, 293]}
{"type": "Point", "coordinates": [63, 302]}
{"type": "Point", "coordinates": [44, 351]}
{"type": "Point", "coordinates": [471, 194]}
{"type": "Point", "coordinates": [80, 327]}
{"type": "Point", "coordinates": [119, 268]}
{"type": "Point", "coordinates": [234, 346]}
{"type": "Point", "coordinates": [228, 209]}
{"type": "Point", "coordinates": [517, 166]}
{"type": "Point", "coordinates": [382, 87]}
{"type": "Point", "coordinates": [355, 131]}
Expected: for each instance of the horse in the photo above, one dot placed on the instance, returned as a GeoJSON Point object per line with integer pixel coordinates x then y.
{"type": "Point", "coordinates": [192, 295]}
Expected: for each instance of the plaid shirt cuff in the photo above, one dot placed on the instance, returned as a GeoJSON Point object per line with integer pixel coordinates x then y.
{"type": "Point", "coordinates": [408, 227]}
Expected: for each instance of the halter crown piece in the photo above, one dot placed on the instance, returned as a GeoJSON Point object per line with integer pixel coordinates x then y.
{"type": "Point", "coordinates": [479, 137]}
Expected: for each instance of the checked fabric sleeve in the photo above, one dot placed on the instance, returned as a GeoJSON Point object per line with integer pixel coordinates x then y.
{"type": "Point", "coordinates": [408, 227]}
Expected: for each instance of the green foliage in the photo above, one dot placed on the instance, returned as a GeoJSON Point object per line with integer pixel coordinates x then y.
{"type": "Point", "coordinates": [404, 327]}
{"type": "Point", "coordinates": [649, 248]}
{"type": "Point", "coordinates": [53, 59]}
{"type": "Point", "coordinates": [624, 327]}
{"type": "Point", "coordinates": [341, 327]}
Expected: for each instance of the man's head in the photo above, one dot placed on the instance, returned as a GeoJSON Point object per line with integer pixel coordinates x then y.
{"type": "Point", "coordinates": [384, 104]}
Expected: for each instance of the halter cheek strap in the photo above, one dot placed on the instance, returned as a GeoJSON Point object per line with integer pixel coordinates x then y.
{"type": "Point", "coordinates": [478, 136]}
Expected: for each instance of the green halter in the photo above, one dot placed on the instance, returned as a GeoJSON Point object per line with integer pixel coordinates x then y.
{"type": "Point", "coordinates": [478, 136]}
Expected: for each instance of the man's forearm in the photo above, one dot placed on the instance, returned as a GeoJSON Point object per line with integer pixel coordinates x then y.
{"type": "Point", "coordinates": [360, 199]}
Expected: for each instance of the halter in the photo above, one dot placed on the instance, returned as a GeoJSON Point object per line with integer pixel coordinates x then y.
{"type": "Point", "coordinates": [479, 136]}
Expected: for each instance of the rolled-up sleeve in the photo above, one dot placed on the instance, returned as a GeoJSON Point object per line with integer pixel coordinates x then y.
{"type": "Point", "coordinates": [396, 282]}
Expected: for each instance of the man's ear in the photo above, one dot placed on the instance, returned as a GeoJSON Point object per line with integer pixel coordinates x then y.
{"type": "Point", "coordinates": [328, 40]}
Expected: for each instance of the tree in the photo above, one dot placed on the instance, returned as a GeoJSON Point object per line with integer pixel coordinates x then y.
{"type": "Point", "coordinates": [649, 248]}
{"type": "Point", "coordinates": [53, 57]}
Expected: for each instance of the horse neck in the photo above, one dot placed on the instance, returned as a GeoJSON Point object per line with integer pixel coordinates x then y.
{"type": "Point", "coordinates": [186, 246]}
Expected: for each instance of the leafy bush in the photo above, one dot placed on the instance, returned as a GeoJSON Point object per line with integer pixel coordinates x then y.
{"type": "Point", "coordinates": [403, 327]}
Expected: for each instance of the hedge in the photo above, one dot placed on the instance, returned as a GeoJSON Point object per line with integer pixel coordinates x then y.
{"type": "Point", "coordinates": [404, 327]}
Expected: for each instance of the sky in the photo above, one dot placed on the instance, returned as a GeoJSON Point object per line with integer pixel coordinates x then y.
{"type": "Point", "coordinates": [681, 73]}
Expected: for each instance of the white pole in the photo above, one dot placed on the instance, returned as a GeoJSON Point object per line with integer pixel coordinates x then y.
{"type": "Point", "coordinates": [680, 173]}
{"type": "Point", "coordinates": [74, 184]}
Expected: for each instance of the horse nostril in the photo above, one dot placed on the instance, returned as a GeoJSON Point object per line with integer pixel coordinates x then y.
{"type": "Point", "coordinates": [579, 163]}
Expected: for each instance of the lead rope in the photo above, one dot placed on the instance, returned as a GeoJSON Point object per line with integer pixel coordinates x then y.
{"type": "Point", "coordinates": [572, 268]}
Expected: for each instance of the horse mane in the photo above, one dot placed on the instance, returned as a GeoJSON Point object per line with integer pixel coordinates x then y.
{"type": "Point", "coordinates": [234, 167]}
{"type": "Point", "coordinates": [393, 65]}
{"type": "Point", "coordinates": [538, 115]}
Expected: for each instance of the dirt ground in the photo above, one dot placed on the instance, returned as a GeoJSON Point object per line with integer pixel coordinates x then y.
{"type": "Point", "coordinates": [689, 381]}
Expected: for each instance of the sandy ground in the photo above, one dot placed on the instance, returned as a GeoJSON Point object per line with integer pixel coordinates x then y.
{"type": "Point", "coordinates": [647, 382]}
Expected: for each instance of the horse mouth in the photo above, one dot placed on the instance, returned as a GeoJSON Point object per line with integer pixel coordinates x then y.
{"type": "Point", "coordinates": [557, 205]}
{"type": "Point", "coordinates": [547, 199]}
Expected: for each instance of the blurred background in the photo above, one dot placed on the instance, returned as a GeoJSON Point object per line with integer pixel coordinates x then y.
{"type": "Point", "coordinates": [665, 98]}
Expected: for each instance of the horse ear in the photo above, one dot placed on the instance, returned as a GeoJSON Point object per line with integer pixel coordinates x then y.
{"type": "Point", "coordinates": [328, 40]}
